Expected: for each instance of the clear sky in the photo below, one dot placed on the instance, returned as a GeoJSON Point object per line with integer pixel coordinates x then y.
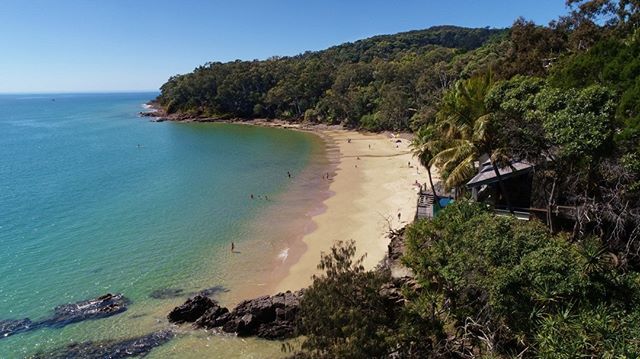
{"type": "Point", "coordinates": [120, 45]}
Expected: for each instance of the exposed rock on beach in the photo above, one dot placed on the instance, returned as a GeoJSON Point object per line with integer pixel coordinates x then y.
{"type": "Point", "coordinates": [269, 317]}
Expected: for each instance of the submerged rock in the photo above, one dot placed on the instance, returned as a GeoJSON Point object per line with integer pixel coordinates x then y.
{"type": "Point", "coordinates": [191, 310]}
{"type": "Point", "coordinates": [13, 326]}
{"type": "Point", "coordinates": [167, 293]}
{"type": "Point", "coordinates": [269, 317]}
{"type": "Point", "coordinates": [208, 292]}
{"type": "Point", "coordinates": [101, 307]}
{"type": "Point", "coordinates": [139, 346]}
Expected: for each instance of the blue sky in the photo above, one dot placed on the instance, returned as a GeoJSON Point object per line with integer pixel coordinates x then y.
{"type": "Point", "coordinates": [121, 45]}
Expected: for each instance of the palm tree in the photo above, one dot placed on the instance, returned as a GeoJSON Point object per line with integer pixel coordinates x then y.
{"type": "Point", "coordinates": [422, 145]}
{"type": "Point", "coordinates": [462, 122]}
{"type": "Point", "coordinates": [465, 125]}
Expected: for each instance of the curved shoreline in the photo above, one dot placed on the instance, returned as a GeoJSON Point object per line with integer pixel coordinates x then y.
{"type": "Point", "coordinates": [372, 184]}
{"type": "Point", "coordinates": [282, 225]}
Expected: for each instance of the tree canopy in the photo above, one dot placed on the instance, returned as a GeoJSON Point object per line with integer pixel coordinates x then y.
{"type": "Point", "coordinates": [384, 82]}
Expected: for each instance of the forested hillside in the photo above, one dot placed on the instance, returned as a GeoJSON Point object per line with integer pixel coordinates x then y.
{"type": "Point", "coordinates": [385, 82]}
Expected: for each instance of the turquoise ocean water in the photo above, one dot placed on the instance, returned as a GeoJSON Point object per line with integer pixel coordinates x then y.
{"type": "Point", "coordinates": [94, 199]}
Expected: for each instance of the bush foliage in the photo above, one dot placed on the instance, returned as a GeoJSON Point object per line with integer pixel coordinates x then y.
{"type": "Point", "coordinates": [490, 286]}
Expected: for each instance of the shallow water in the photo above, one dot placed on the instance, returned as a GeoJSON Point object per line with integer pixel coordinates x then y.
{"type": "Point", "coordinates": [94, 199]}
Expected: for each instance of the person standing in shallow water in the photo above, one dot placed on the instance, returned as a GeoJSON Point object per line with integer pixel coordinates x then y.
{"type": "Point", "coordinates": [233, 247]}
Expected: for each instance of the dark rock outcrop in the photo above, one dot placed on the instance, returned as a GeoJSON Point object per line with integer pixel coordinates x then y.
{"type": "Point", "coordinates": [149, 114]}
{"type": "Point", "coordinates": [191, 310]}
{"type": "Point", "coordinates": [101, 307]}
{"type": "Point", "coordinates": [215, 316]}
{"type": "Point", "coordinates": [133, 347]}
{"type": "Point", "coordinates": [13, 326]}
{"type": "Point", "coordinates": [269, 317]}
{"type": "Point", "coordinates": [396, 247]}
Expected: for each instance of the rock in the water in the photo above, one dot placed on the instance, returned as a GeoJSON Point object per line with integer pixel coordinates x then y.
{"type": "Point", "coordinates": [215, 316]}
{"type": "Point", "coordinates": [14, 326]}
{"type": "Point", "coordinates": [267, 317]}
{"type": "Point", "coordinates": [126, 348]}
{"type": "Point", "coordinates": [191, 310]}
{"type": "Point", "coordinates": [208, 292]}
{"type": "Point", "coordinates": [101, 307]}
{"type": "Point", "coordinates": [167, 293]}
{"type": "Point", "coordinates": [270, 317]}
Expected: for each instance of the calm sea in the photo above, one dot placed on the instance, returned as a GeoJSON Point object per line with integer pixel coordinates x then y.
{"type": "Point", "coordinates": [94, 199]}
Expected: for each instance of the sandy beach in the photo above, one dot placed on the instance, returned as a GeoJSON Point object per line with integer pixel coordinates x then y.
{"type": "Point", "coordinates": [373, 184]}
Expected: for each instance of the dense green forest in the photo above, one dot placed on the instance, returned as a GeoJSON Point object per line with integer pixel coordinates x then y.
{"type": "Point", "coordinates": [563, 97]}
{"type": "Point", "coordinates": [385, 82]}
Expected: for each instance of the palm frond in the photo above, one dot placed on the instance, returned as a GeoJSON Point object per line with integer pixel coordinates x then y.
{"type": "Point", "coordinates": [461, 174]}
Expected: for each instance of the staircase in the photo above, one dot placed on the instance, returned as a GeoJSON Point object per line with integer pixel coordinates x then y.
{"type": "Point", "coordinates": [425, 205]}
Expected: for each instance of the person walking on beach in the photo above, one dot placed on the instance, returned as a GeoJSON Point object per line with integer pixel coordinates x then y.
{"type": "Point", "coordinates": [233, 247]}
{"type": "Point", "coordinates": [399, 215]}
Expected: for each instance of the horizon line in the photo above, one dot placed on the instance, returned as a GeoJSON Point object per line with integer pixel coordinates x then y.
{"type": "Point", "coordinates": [75, 92]}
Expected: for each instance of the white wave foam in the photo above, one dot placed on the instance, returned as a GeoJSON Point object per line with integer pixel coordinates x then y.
{"type": "Point", "coordinates": [284, 254]}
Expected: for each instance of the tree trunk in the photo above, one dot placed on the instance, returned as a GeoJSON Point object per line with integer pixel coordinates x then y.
{"type": "Point", "coordinates": [501, 185]}
{"type": "Point", "coordinates": [433, 188]}
{"type": "Point", "coordinates": [549, 204]}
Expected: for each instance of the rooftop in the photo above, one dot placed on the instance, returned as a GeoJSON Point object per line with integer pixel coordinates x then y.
{"type": "Point", "coordinates": [487, 175]}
